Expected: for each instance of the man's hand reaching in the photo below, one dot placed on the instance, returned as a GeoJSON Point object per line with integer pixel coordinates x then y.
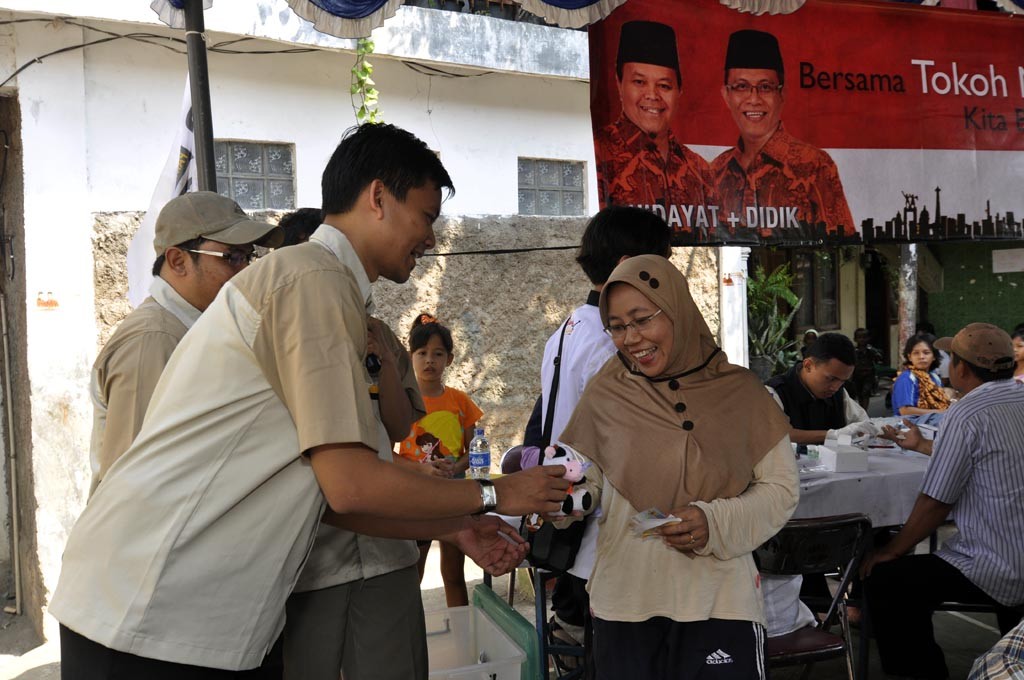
{"type": "Point", "coordinates": [490, 542]}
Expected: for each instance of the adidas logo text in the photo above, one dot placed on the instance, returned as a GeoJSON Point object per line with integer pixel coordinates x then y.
{"type": "Point", "coordinates": [718, 657]}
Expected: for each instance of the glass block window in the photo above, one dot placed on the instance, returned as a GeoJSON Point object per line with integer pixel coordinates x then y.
{"type": "Point", "coordinates": [257, 175]}
{"type": "Point", "coordinates": [549, 187]}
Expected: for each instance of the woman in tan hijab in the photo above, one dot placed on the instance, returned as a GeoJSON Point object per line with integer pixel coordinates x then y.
{"type": "Point", "coordinates": [669, 424]}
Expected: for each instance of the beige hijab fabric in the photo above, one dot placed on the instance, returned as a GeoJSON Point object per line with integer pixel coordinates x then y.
{"type": "Point", "coordinates": [694, 433]}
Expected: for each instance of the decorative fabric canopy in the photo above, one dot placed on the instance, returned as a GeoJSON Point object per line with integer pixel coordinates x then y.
{"type": "Point", "coordinates": [1015, 6]}
{"type": "Point", "coordinates": [571, 13]}
{"type": "Point", "coordinates": [358, 18]}
{"type": "Point", "coordinates": [764, 6]}
{"type": "Point", "coordinates": [1012, 6]}
{"type": "Point", "coordinates": [172, 12]}
{"type": "Point", "coordinates": [346, 18]}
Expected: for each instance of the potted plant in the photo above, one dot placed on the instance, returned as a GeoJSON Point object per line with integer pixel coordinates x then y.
{"type": "Point", "coordinates": [771, 350]}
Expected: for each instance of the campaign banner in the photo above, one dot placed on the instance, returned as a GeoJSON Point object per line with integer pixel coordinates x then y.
{"type": "Point", "coordinates": [843, 122]}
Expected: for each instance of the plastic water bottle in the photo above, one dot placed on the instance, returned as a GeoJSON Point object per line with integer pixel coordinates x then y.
{"type": "Point", "coordinates": [479, 456]}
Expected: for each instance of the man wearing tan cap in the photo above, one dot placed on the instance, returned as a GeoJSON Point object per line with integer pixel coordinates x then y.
{"type": "Point", "coordinates": [202, 240]}
{"type": "Point", "coordinates": [975, 478]}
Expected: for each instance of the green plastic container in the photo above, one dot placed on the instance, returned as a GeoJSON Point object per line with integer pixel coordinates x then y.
{"type": "Point", "coordinates": [513, 624]}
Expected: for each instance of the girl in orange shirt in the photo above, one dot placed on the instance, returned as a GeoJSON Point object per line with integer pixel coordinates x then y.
{"type": "Point", "coordinates": [440, 438]}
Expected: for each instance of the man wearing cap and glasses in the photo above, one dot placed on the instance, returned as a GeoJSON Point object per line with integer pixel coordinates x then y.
{"type": "Point", "coordinates": [768, 167]}
{"type": "Point", "coordinates": [202, 240]}
{"type": "Point", "coordinates": [639, 161]}
{"type": "Point", "coordinates": [975, 478]}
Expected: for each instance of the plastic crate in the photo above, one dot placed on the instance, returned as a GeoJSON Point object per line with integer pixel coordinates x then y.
{"type": "Point", "coordinates": [464, 643]}
{"type": "Point", "coordinates": [515, 625]}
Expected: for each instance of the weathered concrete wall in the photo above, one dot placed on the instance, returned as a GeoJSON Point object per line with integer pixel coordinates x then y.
{"type": "Point", "coordinates": [501, 308]}
{"type": "Point", "coordinates": [111, 234]}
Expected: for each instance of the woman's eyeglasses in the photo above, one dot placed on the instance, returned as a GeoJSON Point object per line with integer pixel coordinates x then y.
{"type": "Point", "coordinates": [235, 258]}
{"type": "Point", "coordinates": [618, 330]}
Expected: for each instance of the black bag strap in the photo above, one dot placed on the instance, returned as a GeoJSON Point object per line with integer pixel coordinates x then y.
{"type": "Point", "coordinates": [553, 392]}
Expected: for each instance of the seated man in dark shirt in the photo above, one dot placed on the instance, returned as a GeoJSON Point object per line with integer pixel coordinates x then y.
{"type": "Point", "coordinates": [812, 395]}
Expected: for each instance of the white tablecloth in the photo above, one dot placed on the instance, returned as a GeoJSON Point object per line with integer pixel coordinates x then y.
{"type": "Point", "coordinates": [885, 493]}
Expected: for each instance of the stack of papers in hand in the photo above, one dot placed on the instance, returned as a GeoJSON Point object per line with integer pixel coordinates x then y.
{"type": "Point", "coordinates": [644, 523]}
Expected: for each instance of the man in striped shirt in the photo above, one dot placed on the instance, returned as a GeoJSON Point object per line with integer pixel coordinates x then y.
{"type": "Point", "coordinates": [976, 478]}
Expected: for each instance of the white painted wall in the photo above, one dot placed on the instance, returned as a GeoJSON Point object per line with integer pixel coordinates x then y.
{"type": "Point", "coordinates": [58, 229]}
{"type": "Point", "coordinates": [480, 124]}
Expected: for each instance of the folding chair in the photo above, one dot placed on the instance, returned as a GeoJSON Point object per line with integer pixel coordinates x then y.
{"type": "Point", "coordinates": [549, 645]}
{"type": "Point", "coordinates": [814, 546]}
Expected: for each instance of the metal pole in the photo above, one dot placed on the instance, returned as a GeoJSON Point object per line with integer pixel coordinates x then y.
{"type": "Point", "coordinates": [8, 396]}
{"type": "Point", "coordinates": [199, 78]}
{"type": "Point", "coordinates": [908, 291]}
{"type": "Point", "coordinates": [6, 277]}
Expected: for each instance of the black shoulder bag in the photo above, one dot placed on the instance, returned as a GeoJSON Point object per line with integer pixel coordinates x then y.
{"type": "Point", "coordinates": [552, 549]}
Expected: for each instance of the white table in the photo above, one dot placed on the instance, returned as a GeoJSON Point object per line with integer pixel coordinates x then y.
{"type": "Point", "coordinates": [885, 493]}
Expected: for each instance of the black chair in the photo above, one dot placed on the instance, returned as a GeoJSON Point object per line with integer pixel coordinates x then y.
{"type": "Point", "coordinates": [815, 546]}
{"type": "Point", "coordinates": [567, 661]}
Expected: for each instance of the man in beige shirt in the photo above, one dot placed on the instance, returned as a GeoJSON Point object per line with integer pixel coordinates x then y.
{"type": "Point", "coordinates": [358, 597]}
{"type": "Point", "coordinates": [202, 240]}
{"type": "Point", "coordinates": [260, 425]}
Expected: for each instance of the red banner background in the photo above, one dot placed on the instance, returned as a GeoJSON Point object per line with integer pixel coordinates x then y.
{"type": "Point", "coordinates": [869, 38]}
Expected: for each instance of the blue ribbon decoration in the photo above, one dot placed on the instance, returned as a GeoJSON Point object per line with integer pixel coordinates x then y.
{"type": "Point", "coordinates": [350, 9]}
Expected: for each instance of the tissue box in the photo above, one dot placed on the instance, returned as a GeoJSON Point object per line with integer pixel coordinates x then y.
{"type": "Point", "coordinates": [842, 458]}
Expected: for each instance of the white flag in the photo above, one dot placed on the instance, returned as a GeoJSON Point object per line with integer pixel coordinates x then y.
{"type": "Point", "coordinates": [178, 177]}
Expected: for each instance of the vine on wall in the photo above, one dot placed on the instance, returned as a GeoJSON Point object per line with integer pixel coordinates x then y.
{"type": "Point", "coordinates": [365, 97]}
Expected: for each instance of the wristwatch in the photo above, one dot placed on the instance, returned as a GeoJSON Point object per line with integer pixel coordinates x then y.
{"type": "Point", "coordinates": [488, 497]}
